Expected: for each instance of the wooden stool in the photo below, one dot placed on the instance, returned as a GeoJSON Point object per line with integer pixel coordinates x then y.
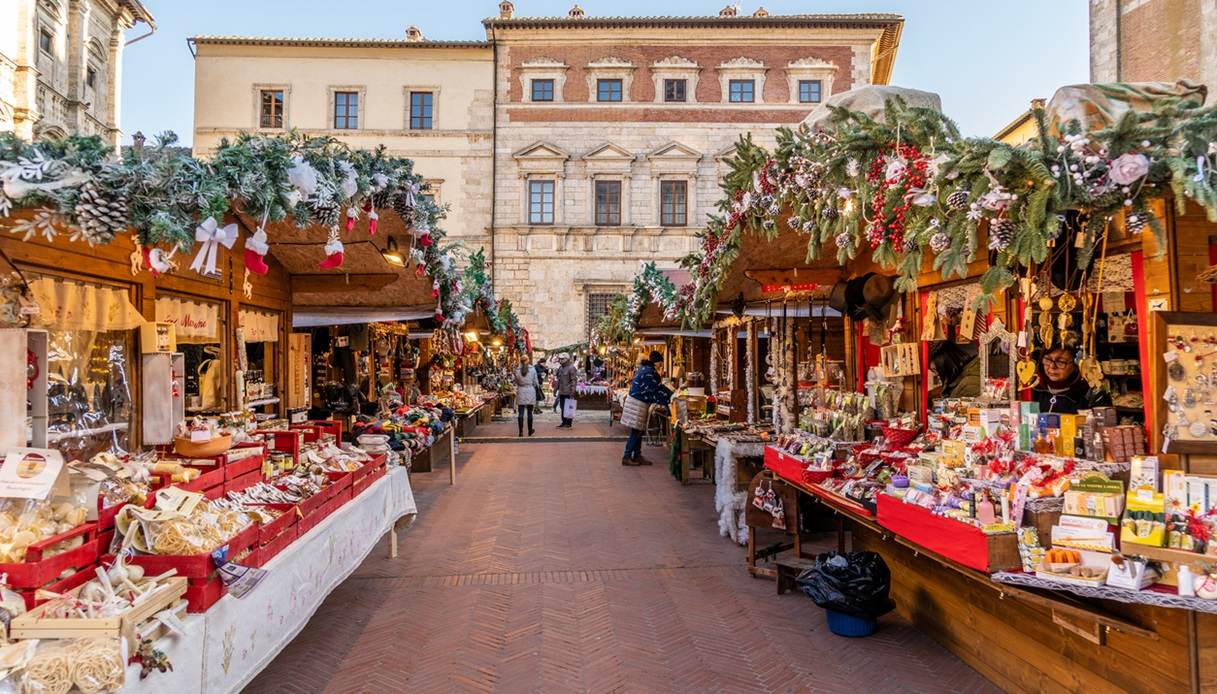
{"type": "Point", "coordinates": [788, 569]}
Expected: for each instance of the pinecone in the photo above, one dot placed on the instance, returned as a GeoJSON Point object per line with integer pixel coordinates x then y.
{"type": "Point", "coordinates": [910, 244]}
{"type": "Point", "coordinates": [769, 224]}
{"type": "Point", "coordinates": [958, 200]}
{"type": "Point", "coordinates": [1001, 233]}
{"type": "Point", "coordinates": [793, 222]}
{"type": "Point", "coordinates": [844, 240]}
{"type": "Point", "coordinates": [401, 203]}
{"type": "Point", "coordinates": [829, 213]}
{"type": "Point", "coordinates": [809, 226]}
{"type": "Point", "coordinates": [939, 242]}
{"type": "Point", "coordinates": [100, 217]}
{"type": "Point", "coordinates": [1135, 222]}
{"type": "Point", "coordinates": [382, 198]}
{"type": "Point", "coordinates": [326, 215]}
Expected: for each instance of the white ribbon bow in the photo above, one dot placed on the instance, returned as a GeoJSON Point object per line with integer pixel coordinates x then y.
{"type": "Point", "coordinates": [211, 235]}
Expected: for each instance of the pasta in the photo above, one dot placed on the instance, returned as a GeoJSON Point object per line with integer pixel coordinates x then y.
{"type": "Point", "coordinates": [49, 672]}
{"type": "Point", "coordinates": [97, 665]}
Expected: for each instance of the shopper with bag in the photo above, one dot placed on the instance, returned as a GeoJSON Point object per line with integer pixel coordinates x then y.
{"type": "Point", "coordinates": [526, 393]}
{"type": "Point", "coordinates": [645, 390]}
{"type": "Point", "coordinates": [568, 378]}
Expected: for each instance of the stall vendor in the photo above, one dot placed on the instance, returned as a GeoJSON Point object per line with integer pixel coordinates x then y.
{"type": "Point", "coordinates": [1061, 388]}
{"type": "Point", "coordinates": [957, 368]}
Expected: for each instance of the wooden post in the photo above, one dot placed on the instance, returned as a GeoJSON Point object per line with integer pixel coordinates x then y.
{"type": "Point", "coordinates": [452, 457]}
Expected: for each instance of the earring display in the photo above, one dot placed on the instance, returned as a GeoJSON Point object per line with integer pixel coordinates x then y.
{"type": "Point", "coordinates": [1190, 396]}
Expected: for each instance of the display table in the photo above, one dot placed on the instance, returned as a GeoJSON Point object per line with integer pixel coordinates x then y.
{"type": "Point", "coordinates": [436, 455]}
{"type": "Point", "coordinates": [223, 649]}
{"type": "Point", "coordinates": [468, 420]}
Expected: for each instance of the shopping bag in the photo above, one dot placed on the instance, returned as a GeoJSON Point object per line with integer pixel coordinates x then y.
{"type": "Point", "coordinates": [568, 409]}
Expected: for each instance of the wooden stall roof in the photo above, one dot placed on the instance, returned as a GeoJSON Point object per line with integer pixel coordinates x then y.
{"type": "Point", "coordinates": [652, 315]}
{"type": "Point", "coordinates": [365, 279]}
{"type": "Point", "coordinates": [786, 253]}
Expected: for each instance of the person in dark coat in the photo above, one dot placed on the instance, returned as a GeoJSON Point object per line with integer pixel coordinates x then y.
{"type": "Point", "coordinates": [1061, 388]}
{"type": "Point", "coordinates": [645, 390]}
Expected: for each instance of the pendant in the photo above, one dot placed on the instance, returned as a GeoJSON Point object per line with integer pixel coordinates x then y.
{"type": "Point", "coordinates": [1028, 376]}
{"type": "Point", "coordinates": [1067, 302]}
{"type": "Point", "coordinates": [1046, 335]}
{"type": "Point", "coordinates": [1045, 303]}
{"type": "Point", "coordinates": [1092, 371]}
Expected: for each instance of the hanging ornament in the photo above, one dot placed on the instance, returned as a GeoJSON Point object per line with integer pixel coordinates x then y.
{"type": "Point", "coordinates": [334, 252]}
{"type": "Point", "coordinates": [1135, 222]}
{"type": "Point", "coordinates": [958, 200]}
{"type": "Point", "coordinates": [435, 289]}
{"type": "Point", "coordinates": [256, 248]}
{"type": "Point", "coordinates": [352, 215]}
{"type": "Point", "coordinates": [844, 240]}
{"type": "Point", "coordinates": [1001, 233]}
{"type": "Point", "coordinates": [247, 287]}
{"type": "Point", "coordinates": [326, 214]}
{"type": "Point", "coordinates": [159, 261]}
{"type": "Point", "coordinates": [211, 235]}
{"type": "Point", "coordinates": [829, 213]}
{"type": "Point", "coordinates": [940, 242]}
{"type": "Point", "coordinates": [373, 218]}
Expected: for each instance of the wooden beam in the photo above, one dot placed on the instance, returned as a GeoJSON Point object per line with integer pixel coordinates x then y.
{"type": "Point", "coordinates": [325, 284]}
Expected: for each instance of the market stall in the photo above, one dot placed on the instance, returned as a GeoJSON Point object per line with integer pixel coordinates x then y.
{"type": "Point", "coordinates": [147, 304]}
{"type": "Point", "coordinates": [993, 440]}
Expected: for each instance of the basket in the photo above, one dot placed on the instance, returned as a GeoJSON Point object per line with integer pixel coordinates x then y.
{"type": "Point", "coordinates": [895, 436]}
{"type": "Point", "coordinates": [850, 626]}
{"type": "Point", "coordinates": [205, 449]}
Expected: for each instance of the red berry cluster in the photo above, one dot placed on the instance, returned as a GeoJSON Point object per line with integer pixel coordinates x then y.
{"type": "Point", "coordinates": [887, 225]}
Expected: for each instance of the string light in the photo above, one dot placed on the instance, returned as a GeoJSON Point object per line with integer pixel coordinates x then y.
{"type": "Point", "coordinates": [788, 288]}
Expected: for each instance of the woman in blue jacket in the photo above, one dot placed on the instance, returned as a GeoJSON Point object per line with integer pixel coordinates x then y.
{"type": "Point", "coordinates": [645, 390]}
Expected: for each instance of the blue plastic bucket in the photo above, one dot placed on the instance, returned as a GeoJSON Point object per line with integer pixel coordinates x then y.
{"type": "Point", "coordinates": [843, 624]}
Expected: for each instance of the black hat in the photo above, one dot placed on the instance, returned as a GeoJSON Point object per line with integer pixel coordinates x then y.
{"type": "Point", "coordinates": [655, 357]}
{"type": "Point", "coordinates": [867, 296]}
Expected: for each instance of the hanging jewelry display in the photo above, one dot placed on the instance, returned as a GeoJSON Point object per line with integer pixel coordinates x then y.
{"type": "Point", "coordinates": [788, 366]}
{"type": "Point", "coordinates": [750, 370]}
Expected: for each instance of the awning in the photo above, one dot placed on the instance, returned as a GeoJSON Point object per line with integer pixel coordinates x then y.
{"type": "Point", "coordinates": [259, 326]}
{"type": "Point", "coordinates": [70, 305]}
{"type": "Point", "coordinates": [195, 321]}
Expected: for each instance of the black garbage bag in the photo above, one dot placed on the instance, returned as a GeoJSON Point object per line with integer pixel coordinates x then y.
{"type": "Point", "coordinates": [855, 583]}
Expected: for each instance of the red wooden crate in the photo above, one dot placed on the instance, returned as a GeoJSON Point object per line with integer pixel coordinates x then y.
{"type": "Point", "coordinates": [106, 514]}
{"type": "Point", "coordinates": [368, 480]}
{"type": "Point", "coordinates": [310, 505]}
{"type": "Point", "coordinates": [272, 550]}
{"type": "Point", "coordinates": [244, 467]}
{"type": "Point", "coordinates": [792, 468]}
{"type": "Point", "coordinates": [328, 426]}
{"type": "Point", "coordinates": [81, 577]}
{"type": "Point", "coordinates": [339, 481]}
{"type": "Point", "coordinates": [377, 462]}
{"type": "Point", "coordinates": [285, 442]}
{"type": "Point", "coordinates": [244, 481]}
{"type": "Point", "coordinates": [37, 571]}
{"type": "Point", "coordinates": [332, 504]}
{"type": "Point", "coordinates": [269, 531]}
{"type": "Point", "coordinates": [202, 594]}
{"type": "Point", "coordinates": [310, 432]}
{"type": "Point", "coordinates": [193, 566]}
{"type": "Point", "coordinates": [959, 542]}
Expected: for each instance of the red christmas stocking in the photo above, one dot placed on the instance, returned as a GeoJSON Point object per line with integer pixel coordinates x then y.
{"type": "Point", "coordinates": [333, 254]}
{"type": "Point", "coordinates": [256, 248]}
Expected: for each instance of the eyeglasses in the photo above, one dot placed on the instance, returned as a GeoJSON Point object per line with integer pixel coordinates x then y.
{"type": "Point", "coordinates": [1058, 363]}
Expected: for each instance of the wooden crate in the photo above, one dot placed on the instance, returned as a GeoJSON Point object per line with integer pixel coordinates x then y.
{"type": "Point", "coordinates": [34, 625]}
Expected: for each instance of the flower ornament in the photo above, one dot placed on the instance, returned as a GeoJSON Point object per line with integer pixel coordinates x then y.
{"type": "Point", "coordinates": [303, 176]}
{"type": "Point", "coordinates": [1128, 168]}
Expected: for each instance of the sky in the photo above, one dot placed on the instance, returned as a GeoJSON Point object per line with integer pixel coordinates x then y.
{"type": "Point", "coordinates": [986, 58]}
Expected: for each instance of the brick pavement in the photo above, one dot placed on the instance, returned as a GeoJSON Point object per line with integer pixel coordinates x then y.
{"type": "Point", "coordinates": [552, 568]}
{"type": "Point", "coordinates": [588, 423]}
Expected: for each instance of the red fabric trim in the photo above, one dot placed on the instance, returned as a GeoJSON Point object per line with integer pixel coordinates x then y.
{"type": "Point", "coordinates": [957, 541]}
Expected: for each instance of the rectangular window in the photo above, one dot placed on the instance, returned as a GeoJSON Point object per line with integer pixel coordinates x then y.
{"type": "Point", "coordinates": [673, 203]}
{"type": "Point", "coordinates": [542, 90]}
{"type": "Point", "coordinates": [809, 91]}
{"type": "Point", "coordinates": [346, 110]}
{"type": "Point", "coordinates": [540, 202]}
{"type": "Point", "coordinates": [674, 91]}
{"type": "Point", "coordinates": [420, 110]}
{"type": "Point", "coordinates": [45, 41]}
{"type": "Point", "coordinates": [608, 90]}
{"type": "Point", "coordinates": [272, 108]}
{"type": "Point", "coordinates": [741, 91]}
{"type": "Point", "coordinates": [608, 203]}
{"type": "Point", "coordinates": [90, 78]}
{"type": "Point", "coordinates": [597, 306]}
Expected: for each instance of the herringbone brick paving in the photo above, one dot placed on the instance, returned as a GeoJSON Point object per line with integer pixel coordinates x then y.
{"type": "Point", "coordinates": [552, 568]}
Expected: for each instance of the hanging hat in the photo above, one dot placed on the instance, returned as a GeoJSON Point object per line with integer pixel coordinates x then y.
{"type": "Point", "coordinates": [868, 296]}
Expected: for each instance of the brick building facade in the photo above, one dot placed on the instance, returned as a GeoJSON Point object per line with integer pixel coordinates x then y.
{"type": "Point", "coordinates": [611, 137]}
{"type": "Point", "coordinates": [1153, 41]}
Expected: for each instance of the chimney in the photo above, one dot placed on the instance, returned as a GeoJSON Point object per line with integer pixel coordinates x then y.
{"type": "Point", "coordinates": [728, 11]}
{"type": "Point", "coordinates": [575, 11]}
{"type": "Point", "coordinates": [506, 9]}
{"type": "Point", "coordinates": [414, 34]}
{"type": "Point", "coordinates": [761, 12]}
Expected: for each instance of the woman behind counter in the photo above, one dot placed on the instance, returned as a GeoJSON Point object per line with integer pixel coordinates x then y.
{"type": "Point", "coordinates": [1061, 388]}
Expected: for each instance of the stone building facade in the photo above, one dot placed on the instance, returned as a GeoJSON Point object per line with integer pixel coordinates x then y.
{"type": "Point", "coordinates": [611, 136]}
{"type": "Point", "coordinates": [431, 101]}
{"type": "Point", "coordinates": [61, 63]}
{"type": "Point", "coordinates": [1153, 41]}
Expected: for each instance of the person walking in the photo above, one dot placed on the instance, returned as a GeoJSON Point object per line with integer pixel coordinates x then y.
{"type": "Point", "coordinates": [568, 378]}
{"type": "Point", "coordinates": [542, 378]}
{"type": "Point", "coordinates": [645, 390]}
{"type": "Point", "coordinates": [526, 394]}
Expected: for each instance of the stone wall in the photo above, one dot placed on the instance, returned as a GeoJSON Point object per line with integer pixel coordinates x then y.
{"type": "Point", "coordinates": [1153, 40]}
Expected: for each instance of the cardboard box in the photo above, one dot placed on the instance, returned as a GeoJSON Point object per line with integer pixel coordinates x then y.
{"type": "Point", "coordinates": [157, 337]}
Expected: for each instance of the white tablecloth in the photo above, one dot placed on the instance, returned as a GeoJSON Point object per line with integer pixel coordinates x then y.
{"type": "Point", "coordinates": [224, 648]}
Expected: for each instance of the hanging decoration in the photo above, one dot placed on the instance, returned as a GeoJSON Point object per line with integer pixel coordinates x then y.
{"type": "Point", "coordinates": [335, 253]}
{"type": "Point", "coordinates": [256, 248]}
{"type": "Point", "coordinates": [210, 236]}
